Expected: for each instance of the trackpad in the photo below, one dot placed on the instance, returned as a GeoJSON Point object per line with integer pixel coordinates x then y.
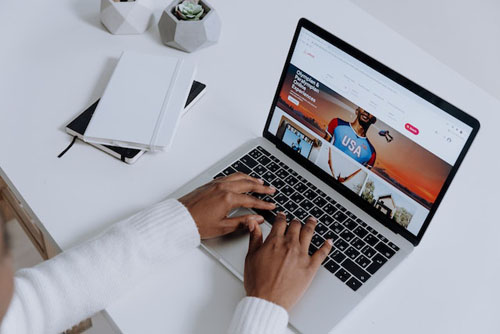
{"type": "Point", "coordinates": [232, 249]}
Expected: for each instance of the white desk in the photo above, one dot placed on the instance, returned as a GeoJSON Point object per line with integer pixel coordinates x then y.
{"type": "Point", "coordinates": [56, 59]}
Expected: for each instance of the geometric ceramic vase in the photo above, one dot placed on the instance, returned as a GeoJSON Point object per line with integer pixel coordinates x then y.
{"type": "Point", "coordinates": [126, 18]}
{"type": "Point", "coordinates": [189, 36]}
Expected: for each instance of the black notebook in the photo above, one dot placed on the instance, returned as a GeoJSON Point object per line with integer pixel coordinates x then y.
{"type": "Point", "coordinates": [78, 126]}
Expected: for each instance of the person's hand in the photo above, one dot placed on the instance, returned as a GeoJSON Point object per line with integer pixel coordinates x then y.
{"type": "Point", "coordinates": [280, 269]}
{"type": "Point", "coordinates": [210, 204]}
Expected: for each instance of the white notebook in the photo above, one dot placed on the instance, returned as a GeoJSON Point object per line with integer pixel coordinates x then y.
{"type": "Point", "coordinates": [142, 103]}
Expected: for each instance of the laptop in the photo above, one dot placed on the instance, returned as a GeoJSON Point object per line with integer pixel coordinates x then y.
{"type": "Point", "coordinates": [365, 150]}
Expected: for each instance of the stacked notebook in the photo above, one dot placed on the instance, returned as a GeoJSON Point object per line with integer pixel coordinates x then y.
{"type": "Point", "coordinates": [141, 105]}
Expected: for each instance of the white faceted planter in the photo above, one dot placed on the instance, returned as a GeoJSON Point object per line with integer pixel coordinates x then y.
{"type": "Point", "coordinates": [126, 18]}
{"type": "Point", "coordinates": [189, 36]}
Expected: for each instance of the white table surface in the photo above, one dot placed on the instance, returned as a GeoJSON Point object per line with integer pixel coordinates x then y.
{"type": "Point", "coordinates": [55, 60]}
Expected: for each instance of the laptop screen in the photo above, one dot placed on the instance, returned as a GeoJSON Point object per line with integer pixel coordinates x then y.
{"type": "Point", "coordinates": [390, 147]}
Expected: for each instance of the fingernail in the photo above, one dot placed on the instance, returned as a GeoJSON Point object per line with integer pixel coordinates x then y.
{"type": "Point", "coordinates": [259, 219]}
{"type": "Point", "coordinates": [272, 188]}
{"type": "Point", "coordinates": [330, 241]}
{"type": "Point", "coordinates": [313, 219]}
{"type": "Point", "coordinates": [281, 213]}
{"type": "Point", "coordinates": [260, 181]}
{"type": "Point", "coordinates": [251, 227]}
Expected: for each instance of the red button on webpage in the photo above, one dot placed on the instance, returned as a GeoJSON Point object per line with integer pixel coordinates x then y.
{"type": "Point", "coordinates": [411, 128]}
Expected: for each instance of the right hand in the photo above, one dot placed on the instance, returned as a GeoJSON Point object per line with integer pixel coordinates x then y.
{"type": "Point", "coordinates": [210, 204]}
{"type": "Point", "coordinates": [280, 269]}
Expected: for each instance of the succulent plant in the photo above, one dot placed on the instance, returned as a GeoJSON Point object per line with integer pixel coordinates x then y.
{"type": "Point", "coordinates": [189, 10]}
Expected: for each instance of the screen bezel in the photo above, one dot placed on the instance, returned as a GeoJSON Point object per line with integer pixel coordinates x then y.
{"type": "Point", "coordinates": [399, 79]}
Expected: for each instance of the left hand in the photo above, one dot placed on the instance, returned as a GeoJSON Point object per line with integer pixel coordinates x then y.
{"type": "Point", "coordinates": [210, 204]}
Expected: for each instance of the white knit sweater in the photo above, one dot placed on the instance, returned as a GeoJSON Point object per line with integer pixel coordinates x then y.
{"type": "Point", "coordinates": [60, 292]}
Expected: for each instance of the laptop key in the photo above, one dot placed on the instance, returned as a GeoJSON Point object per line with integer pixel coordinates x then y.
{"type": "Point", "coordinates": [355, 270]}
{"type": "Point", "coordinates": [362, 261]}
{"type": "Point", "coordinates": [306, 204]}
{"type": "Point", "coordinates": [337, 256]}
{"type": "Point", "coordinates": [264, 160]}
{"type": "Point", "coordinates": [347, 235]}
{"type": "Point", "coordinates": [280, 198]}
{"type": "Point", "coordinates": [337, 227]}
{"type": "Point", "coordinates": [260, 148]}
{"type": "Point", "coordinates": [368, 251]}
{"type": "Point", "coordinates": [326, 219]}
{"type": "Point", "coordinates": [310, 194]}
{"type": "Point", "coordinates": [291, 180]}
{"type": "Point", "coordinates": [352, 253]}
{"type": "Point", "coordinates": [360, 232]}
{"type": "Point", "coordinates": [342, 275]}
{"type": "Point", "coordinates": [228, 171]}
{"type": "Point", "coordinates": [269, 216]}
{"type": "Point", "coordinates": [331, 266]}
{"type": "Point", "coordinates": [240, 167]}
{"type": "Point", "coordinates": [268, 176]}
{"type": "Point", "coordinates": [290, 206]}
{"type": "Point", "coordinates": [370, 239]}
{"type": "Point", "coordinates": [300, 187]}
{"type": "Point", "coordinates": [393, 246]}
{"type": "Point", "coordinates": [297, 198]}
{"type": "Point", "coordinates": [287, 190]}
{"type": "Point", "coordinates": [350, 224]}
{"type": "Point", "coordinates": [255, 153]}
{"type": "Point", "coordinates": [301, 214]}
{"type": "Point", "coordinates": [358, 243]}
{"type": "Point", "coordinates": [273, 167]}
{"type": "Point", "coordinates": [339, 216]}
{"type": "Point", "coordinates": [319, 201]}
{"type": "Point", "coordinates": [351, 215]}
{"type": "Point", "coordinates": [353, 283]}
{"type": "Point", "coordinates": [321, 229]}
{"type": "Point", "coordinates": [282, 173]}
{"type": "Point", "coordinates": [330, 209]}
{"type": "Point", "coordinates": [341, 244]}
{"type": "Point", "coordinates": [260, 170]}
{"type": "Point", "coordinates": [377, 262]}
{"type": "Point", "coordinates": [385, 250]}
{"type": "Point", "coordinates": [330, 235]}
{"type": "Point", "coordinates": [249, 161]}
{"type": "Point", "coordinates": [278, 184]}
{"type": "Point", "coordinates": [317, 241]}
{"type": "Point", "coordinates": [316, 212]}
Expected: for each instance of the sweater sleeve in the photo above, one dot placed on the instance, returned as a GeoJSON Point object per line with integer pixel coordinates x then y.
{"type": "Point", "coordinates": [258, 316]}
{"type": "Point", "coordinates": [76, 284]}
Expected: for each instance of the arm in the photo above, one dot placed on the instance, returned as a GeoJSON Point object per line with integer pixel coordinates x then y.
{"type": "Point", "coordinates": [345, 179]}
{"type": "Point", "coordinates": [277, 273]}
{"type": "Point", "coordinates": [76, 284]}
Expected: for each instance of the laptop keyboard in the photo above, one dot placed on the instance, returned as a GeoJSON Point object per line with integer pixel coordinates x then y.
{"type": "Point", "coordinates": [358, 250]}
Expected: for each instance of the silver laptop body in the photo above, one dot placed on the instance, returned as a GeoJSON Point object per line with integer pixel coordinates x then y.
{"type": "Point", "coordinates": [328, 299]}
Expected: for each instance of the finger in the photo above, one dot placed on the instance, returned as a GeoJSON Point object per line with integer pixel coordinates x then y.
{"type": "Point", "coordinates": [279, 225]}
{"type": "Point", "coordinates": [245, 186]}
{"type": "Point", "coordinates": [321, 254]}
{"type": "Point", "coordinates": [307, 232]}
{"type": "Point", "coordinates": [293, 231]}
{"type": "Point", "coordinates": [247, 201]}
{"type": "Point", "coordinates": [255, 240]}
{"type": "Point", "coordinates": [241, 176]}
{"type": "Point", "coordinates": [234, 223]}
